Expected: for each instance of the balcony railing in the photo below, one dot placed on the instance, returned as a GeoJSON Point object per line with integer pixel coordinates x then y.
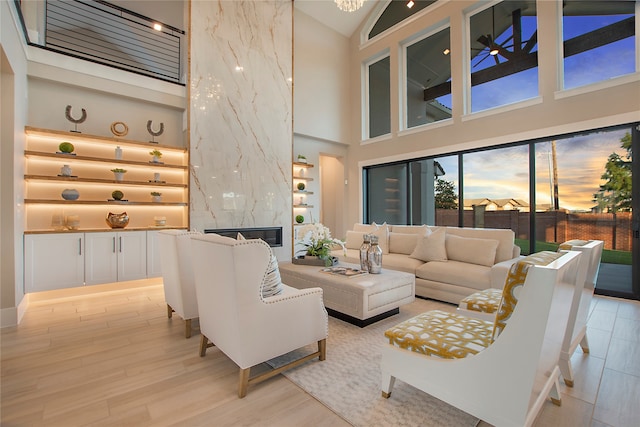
{"type": "Point", "coordinates": [98, 31]}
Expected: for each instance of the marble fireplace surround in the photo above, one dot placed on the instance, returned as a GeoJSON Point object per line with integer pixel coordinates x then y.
{"type": "Point", "coordinates": [240, 116]}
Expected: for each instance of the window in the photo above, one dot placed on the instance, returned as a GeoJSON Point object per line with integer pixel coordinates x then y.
{"type": "Point", "coordinates": [495, 183]}
{"type": "Point", "coordinates": [396, 12]}
{"type": "Point", "coordinates": [504, 57]}
{"type": "Point", "coordinates": [387, 198]}
{"type": "Point", "coordinates": [598, 41]}
{"type": "Point", "coordinates": [428, 79]}
{"type": "Point", "coordinates": [379, 98]}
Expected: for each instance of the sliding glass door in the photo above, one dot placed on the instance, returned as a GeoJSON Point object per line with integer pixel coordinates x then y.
{"type": "Point", "coordinates": [573, 187]}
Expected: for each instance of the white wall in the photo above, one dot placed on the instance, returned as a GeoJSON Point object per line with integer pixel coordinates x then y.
{"type": "Point", "coordinates": [13, 114]}
{"type": "Point", "coordinates": [322, 103]}
{"type": "Point", "coordinates": [553, 112]}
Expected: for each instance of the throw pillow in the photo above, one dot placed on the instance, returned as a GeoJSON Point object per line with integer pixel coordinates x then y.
{"type": "Point", "coordinates": [354, 239]}
{"type": "Point", "coordinates": [403, 243]}
{"type": "Point", "coordinates": [471, 250]}
{"type": "Point", "coordinates": [431, 247]}
{"type": "Point", "coordinates": [272, 282]}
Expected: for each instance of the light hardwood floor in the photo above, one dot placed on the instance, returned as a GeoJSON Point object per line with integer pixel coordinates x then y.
{"type": "Point", "coordinates": [112, 358]}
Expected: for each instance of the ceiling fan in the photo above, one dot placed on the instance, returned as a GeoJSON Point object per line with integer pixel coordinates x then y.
{"type": "Point", "coordinates": [495, 49]}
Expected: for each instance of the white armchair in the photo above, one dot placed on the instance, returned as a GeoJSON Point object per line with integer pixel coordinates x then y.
{"type": "Point", "coordinates": [505, 380]}
{"type": "Point", "coordinates": [484, 304]}
{"type": "Point", "coordinates": [236, 318]}
{"type": "Point", "coordinates": [177, 275]}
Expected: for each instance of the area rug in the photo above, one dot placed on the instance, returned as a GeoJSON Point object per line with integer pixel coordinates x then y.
{"type": "Point", "coordinates": [348, 381]}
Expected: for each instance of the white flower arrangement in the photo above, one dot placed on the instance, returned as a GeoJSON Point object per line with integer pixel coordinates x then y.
{"type": "Point", "coordinates": [317, 241]}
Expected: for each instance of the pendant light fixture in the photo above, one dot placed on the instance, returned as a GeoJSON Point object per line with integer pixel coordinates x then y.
{"type": "Point", "coordinates": [349, 5]}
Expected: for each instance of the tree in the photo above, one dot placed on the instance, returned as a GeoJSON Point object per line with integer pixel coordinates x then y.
{"type": "Point", "coordinates": [615, 193]}
{"type": "Point", "coordinates": [445, 196]}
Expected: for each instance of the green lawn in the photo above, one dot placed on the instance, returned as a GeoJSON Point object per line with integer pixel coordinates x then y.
{"type": "Point", "coordinates": [608, 255]}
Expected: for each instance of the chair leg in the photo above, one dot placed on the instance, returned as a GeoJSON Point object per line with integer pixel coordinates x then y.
{"type": "Point", "coordinates": [243, 382]}
{"type": "Point", "coordinates": [322, 349]}
{"type": "Point", "coordinates": [187, 328]}
{"type": "Point", "coordinates": [203, 345]}
{"type": "Point", "coordinates": [584, 344]}
{"type": "Point", "coordinates": [169, 311]}
{"type": "Point", "coordinates": [554, 393]}
{"type": "Point", "coordinates": [565, 368]}
{"type": "Point", "coordinates": [387, 384]}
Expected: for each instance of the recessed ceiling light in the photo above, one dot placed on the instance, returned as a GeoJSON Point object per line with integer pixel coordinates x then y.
{"type": "Point", "coordinates": [446, 51]}
{"type": "Point", "coordinates": [410, 4]}
{"type": "Point", "coordinates": [494, 51]}
{"type": "Point", "coordinates": [157, 27]}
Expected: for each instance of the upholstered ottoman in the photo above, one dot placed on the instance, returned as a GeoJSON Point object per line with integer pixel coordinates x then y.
{"type": "Point", "coordinates": [360, 300]}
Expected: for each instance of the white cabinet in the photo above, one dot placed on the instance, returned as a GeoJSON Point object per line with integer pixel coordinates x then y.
{"type": "Point", "coordinates": [115, 256]}
{"type": "Point", "coordinates": [153, 255]}
{"type": "Point", "coordinates": [53, 261]}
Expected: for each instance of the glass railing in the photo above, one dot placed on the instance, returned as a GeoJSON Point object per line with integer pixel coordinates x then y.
{"type": "Point", "coordinates": [104, 33]}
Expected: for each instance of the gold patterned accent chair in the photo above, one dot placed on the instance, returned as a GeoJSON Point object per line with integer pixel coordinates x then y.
{"type": "Point", "coordinates": [177, 275]}
{"type": "Point", "coordinates": [483, 304]}
{"type": "Point", "coordinates": [239, 320]}
{"type": "Point", "coordinates": [500, 371]}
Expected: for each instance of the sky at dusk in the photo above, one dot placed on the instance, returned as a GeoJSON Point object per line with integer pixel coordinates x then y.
{"type": "Point", "coordinates": [503, 173]}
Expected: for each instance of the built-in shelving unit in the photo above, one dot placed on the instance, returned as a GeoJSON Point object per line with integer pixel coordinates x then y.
{"type": "Point", "coordinates": [91, 163]}
{"type": "Point", "coordinates": [300, 204]}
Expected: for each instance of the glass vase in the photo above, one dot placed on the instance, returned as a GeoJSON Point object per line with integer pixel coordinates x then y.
{"type": "Point", "coordinates": [374, 256]}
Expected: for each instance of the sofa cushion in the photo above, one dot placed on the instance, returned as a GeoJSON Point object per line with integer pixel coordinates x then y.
{"type": "Point", "coordinates": [354, 238]}
{"type": "Point", "coordinates": [504, 236]}
{"type": "Point", "coordinates": [410, 229]}
{"type": "Point", "coordinates": [431, 247]}
{"type": "Point", "coordinates": [401, 243]}
{"type": "Point", "coordinates": [401, 262]}
{"type": "Point", "coordinates": [456, 273]}
{"type": "Point", "coordinates": [471, 250]}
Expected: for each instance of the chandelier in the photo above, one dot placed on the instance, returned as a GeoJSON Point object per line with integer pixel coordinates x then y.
{"type": "Point", "coordinates": [349, 5]}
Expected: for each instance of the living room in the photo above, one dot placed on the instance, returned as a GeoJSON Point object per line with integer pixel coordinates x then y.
{"type": "Point", "coordinates": [324, 118]}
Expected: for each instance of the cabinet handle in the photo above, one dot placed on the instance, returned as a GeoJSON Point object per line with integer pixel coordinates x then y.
{"type": "Point", "coordinates": [120, 243]}
{"type": "Point", "coordinates": [114, 244]}
{"type": "Point", "coordinates": [79, 245]}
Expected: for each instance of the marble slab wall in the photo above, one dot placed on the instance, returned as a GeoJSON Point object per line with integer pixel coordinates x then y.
{"type": "Point", "coordinates": [241, 115]}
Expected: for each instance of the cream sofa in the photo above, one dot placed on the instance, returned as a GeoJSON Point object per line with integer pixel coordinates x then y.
{"type": "Point", "coordinates": [449, 263]}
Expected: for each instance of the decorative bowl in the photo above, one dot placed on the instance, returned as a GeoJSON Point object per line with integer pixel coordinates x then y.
{"type": "Point", "coordinates": [117, 220]}
{"type": "Point", "coordinates": [70, 194]}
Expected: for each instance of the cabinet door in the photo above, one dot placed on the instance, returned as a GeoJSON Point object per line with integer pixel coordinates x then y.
{"type": "Point", "coordinates": [101, 261]}
{"type": "Point", "coordinates": [153, 255]}
{"type": "Point", "coordinates": [132, 255]}
{"type": "Point", "coordinates": [53, 261]}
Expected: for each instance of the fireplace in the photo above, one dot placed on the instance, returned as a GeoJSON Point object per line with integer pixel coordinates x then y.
{"type": "Point", "coordinates": [271, 235]}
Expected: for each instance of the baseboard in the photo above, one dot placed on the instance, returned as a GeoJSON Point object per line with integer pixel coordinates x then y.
{"type": "Point", "coordinates": [12, 316]}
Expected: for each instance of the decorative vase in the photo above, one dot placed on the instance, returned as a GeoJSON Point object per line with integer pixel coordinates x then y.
{"type": "Point", "coordinates": [72, 222]}
{"type": "Point", "coordinates": [374, 256]}
{"type": "Point", "coordinates": [65, 170]}
{"type": "Point", "coordinates": [70, 194]}
{"type": "Point", "coordinates": [118, 153]}
{"type": "Point", "coordinates": [119, 176]}
{"type": "Point", "coordinates": [155, 159]}
{"type": "Point", "coordinates": [156, 199]}
{"type": "Point", "coordinates": [364, 249]}
{"type": "Point", "coordinates": [117, 220]}
{"type": "Point", "coordinates": [156, 176]}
